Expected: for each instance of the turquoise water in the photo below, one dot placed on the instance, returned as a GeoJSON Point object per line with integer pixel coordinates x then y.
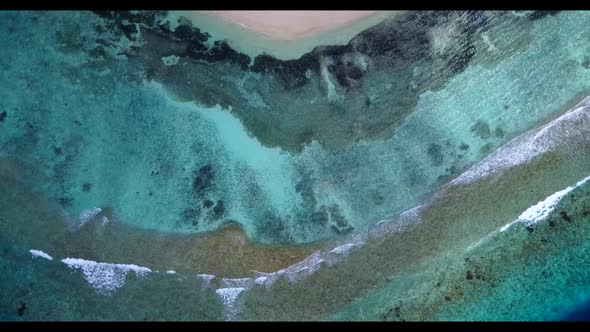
{"type": "Point", "coordinates": [97, 123]}
{"type": "Point", "coordinates": [509, 274]}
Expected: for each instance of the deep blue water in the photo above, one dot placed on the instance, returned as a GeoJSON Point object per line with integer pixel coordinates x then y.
{"type": "Point", "coordinates": [580, 314]}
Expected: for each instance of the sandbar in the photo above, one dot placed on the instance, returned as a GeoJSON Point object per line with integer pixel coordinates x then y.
{"type": "Point", "coordinates": [283, 34]}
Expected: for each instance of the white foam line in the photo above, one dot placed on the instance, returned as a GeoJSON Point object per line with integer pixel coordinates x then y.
{"type": "Point", "coordinates": [331, 88]}
{"type": "Point", "coordinates": [490, 45]}
{"type": "Point", "coordinates": [108, 277]}
{"type": "Point", "coordinates": [229, 297]}
{"type": "Point", "coordinates": [245, 283]}
{"type": "Point", "coordinates": [261, 281]}
{"type": "Point", "coordinates": [411, 214]}
{"type": "Point", "coordinates": [267, 279]}
{"type": "Point", "coordinates": [105, 278]}
{"type": "Point", "coordinates": [292, 273]}
{"type": "Point", "coordinates": [207, 278]}
{"type": "Point", "coordinates": [104, 220]}
{"type": "Point", "coordinates": [343, 249]}
{"type": "Point", "coordinates": [87, 215]}
{"type": "Point", "coordinates": [480, 241]}
{"type": "Point", "coordinates": [298, 272]}
{"type": "Point", "coordinates": [39, 253]}
{"type": "Point", "coordinates": [531, 144]}
{"type": "Point", "coordinates": [542, 209]}
{"type": "Point", "coordinates": [404, 221]}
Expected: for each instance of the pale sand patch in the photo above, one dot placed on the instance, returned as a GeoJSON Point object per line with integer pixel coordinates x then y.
{"type": "Point", "coordinates": [290, 25]}
{"type": "Point", "coordinates": [283, 34]}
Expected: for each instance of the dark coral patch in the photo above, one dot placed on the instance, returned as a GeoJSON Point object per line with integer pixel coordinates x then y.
{"type": "Point", "coordinates": [86, 187]}
{"type": "Point", "coordinates": [481, 129]}
{"type": "Point", "coordinates": [207, 203]}
{"type": "Point", "coordinates": [218, 210]}
{"type": "Point", "coordinates": [203, 179]}
{"type": "Point", "coordinates": [66, 201]}
{"type": "Point", "coordinates": [191, 215]}
{"type": "Point", "coordinates": [21, 309]}
{"type": "Point", "coordinates": [341, 231]}
{"type": "Point", "coordinates": [459, 61]}
{"type": "Point", "coordinates": [398, 45]}
{"type": "Point", "coordinates": [320, 217]}
{"type": "Point", "coordinates": [565, 216]}
{"type": "Point", "coordinates": [435, 154]}
{"type": "Point", "coordinates": [486, 148]}
{"type": "Point", "coordinates": [291, 73]}
{"type": "Point", "coordinates": [539, 14]}
{"type": "Point", "coordinates": [498, 132]}
{"type": "Point", "coordinates": [337, 217]}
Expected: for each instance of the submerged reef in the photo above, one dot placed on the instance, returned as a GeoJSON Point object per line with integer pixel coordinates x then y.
{"type": "Point", "coordinates": [433, 168]}
{"type": "Point", "coordinates": [180, 133]}
{"type": "Point", "coordinates": [364, 89]}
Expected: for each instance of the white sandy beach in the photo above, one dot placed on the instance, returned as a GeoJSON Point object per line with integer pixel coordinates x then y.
{"type": "Point", "coordinates": [290, 25]}
{"type": "Point", "coordinates": [283, 34]}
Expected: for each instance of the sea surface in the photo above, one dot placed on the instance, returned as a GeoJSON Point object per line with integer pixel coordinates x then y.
{"type": "Point", "coordinates": [434, 166]}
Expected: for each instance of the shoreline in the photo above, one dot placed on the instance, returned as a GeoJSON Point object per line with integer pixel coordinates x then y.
{"type": "Point", "coordinates": [262, 38]}
{"type": "Point", "coordinates": [290, 25]}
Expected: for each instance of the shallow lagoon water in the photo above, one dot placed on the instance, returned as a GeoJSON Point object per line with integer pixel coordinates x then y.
{"type": "Point", "coordinates": [106, 159]}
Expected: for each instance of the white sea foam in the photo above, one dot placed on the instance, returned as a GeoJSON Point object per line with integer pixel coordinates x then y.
{"type": "Point", "coordinates": [267, 279]}
{"type": "Point", "coordinates": [104, 220]}
{"type": "Point", "coordinates": [481, 241]}
{"type": "Point", "coordinates": [297, 271]}
{"type": "Point", "coordinates": [305, 268]}
{"type": "Point", "coordinates": [229, 297]}
{"type": "Point", "coordinates": [382, 222]}
{"type": "Point", "coordinates": [411, 214]}
{"type": "Point", "coordinates": [293, 273]}
{"type": "Point", "coordinates": [518, 151]}
{"type": "Point", "coordinates": [396, 225]}
{"type": "Point", "coordinates": [207, 278]}
{"type": "Point", "coordinates": [343, 249]}
{"type": "Point", "coordinates": [245, 283]}
{"type": "Point", "coordinates": [171, 272]}
{"type": "Point", "coordinates": [87, 215]}
{"type": "Point", "coordinates": [325, 75]}
{"type": "Point", "coordinates": [105, 277]}
{"type": "Point", "coordinates": [543, 208]}
{"type": "Point", "coordinates": [39, 253]}
{"type": "Point", "coordinates": [572, 127]}
{"type": "Point", "coordinates": [261, 280]}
